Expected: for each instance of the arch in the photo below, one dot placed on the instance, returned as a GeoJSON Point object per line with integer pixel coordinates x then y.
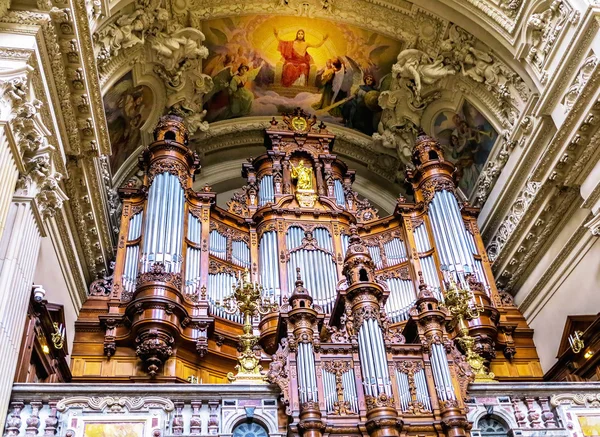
{"type": "Point", "coordinates": [486, 23]}
{"type": "Point", "coordinates": [491, 425]}
{"type": "Point", "coordinates": [249, 428]}
{"type": "Point", "coordinates": [482, 411]}
{"type": "Point", "coordinates": [170, 135]}
{"type": "Point", "coordinates": [265, 418]}
{"type": "Point", "coordinates": [363, 276]}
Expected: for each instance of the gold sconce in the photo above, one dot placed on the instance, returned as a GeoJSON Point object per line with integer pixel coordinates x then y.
{"type": "Point", "coordinates": [58, 336]}
{"type": "Point", "coordinates": [576, 342]}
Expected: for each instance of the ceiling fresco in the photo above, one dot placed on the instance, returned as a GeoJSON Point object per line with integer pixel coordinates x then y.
{"type": "Point", "coordinates": [262, 65]}
{"type": "Point", "coordinates": [227, 74]}
{"type": "Point", "coordinates": [127, 108]}
{"type": "Point", "coordinates": [467, 138]}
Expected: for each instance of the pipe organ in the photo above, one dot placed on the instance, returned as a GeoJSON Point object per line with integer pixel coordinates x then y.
{"type": "Point", "coordinates": [361, 336]}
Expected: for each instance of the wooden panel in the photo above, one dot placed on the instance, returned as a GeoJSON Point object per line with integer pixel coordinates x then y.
{"type": "Point", "coordinates": [92, 367]}
{"type": "Point", "coordinates": [124, 368]}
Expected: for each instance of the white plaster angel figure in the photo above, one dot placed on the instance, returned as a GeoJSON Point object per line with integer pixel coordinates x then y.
{"type": "Point", "coordinates": [419, 66]}
{"type": "Point", "coordinates": [477, 64]}
{"type": "Point", "coordinates": [127, 31]}
{"type": "Point", "coordinates": [540, 23]}
{"type": "Point", "coordinates": [174, 45]}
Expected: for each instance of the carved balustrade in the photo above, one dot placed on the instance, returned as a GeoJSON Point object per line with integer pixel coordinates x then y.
{"type": "Point", "coordinates": [147, 409]}
{"type": "Point", "coordinates": [530, 409]}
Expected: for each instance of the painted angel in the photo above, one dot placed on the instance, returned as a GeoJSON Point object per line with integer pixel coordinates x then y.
{"type": "Point", "coordinates": [231, 96]}
{"type": "Point", "coordinates": [340, 79]}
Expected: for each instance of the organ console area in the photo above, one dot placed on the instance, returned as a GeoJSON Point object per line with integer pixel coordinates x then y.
{"type": "Point", "coordinates": [362, 333]}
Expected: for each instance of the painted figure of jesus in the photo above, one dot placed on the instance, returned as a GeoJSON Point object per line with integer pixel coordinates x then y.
{"type": "Point", "coordinates": [296, 65]}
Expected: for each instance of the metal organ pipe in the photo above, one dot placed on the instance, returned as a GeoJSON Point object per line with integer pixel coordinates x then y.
{"type": "Point", "coordinates": [220, 285]}
{"type": "Point", "coordinates": [422, 392]}
{"type": "Point", "coordinates": [164, 224]}
{"type": "Point", "coordinates": [349, 385]}
{"type": "Point", "coordinates": [338, 191]}
{"type": "Point", "coordinates": [375, 253]}
{"type": "Point", "coordinates": [422, 238]}
{"type": "Point", "coordinates": [450, 233]}
{"type": "Point", "coordinates": [441, 372]}
{"type": "Point", "coordinates": [132, 253]}
{"type": "Point", "coordinates": [269, 264]}
{"type": "Point", "coordinates": [365, 367]}
{"type": "Point", "coordinates": [373, 358]}
{"type": "Point", "coordinates": [192, 259]}
{"type": "Point", "coordinates": [402, 298]}
{"type": "Point", "coordinates": [441, 226]}
{"type": "Point", "coordinates": [403, 389]}
{"type": "Point", "coordinates": [378, 364]}
{"type": "Point", "coordinates": [318, 267]}
{"type": "Point", "coordinates": [266, 192]}
{"type": "Point", "coordinates": [395, 251]}
{"type": "Point", "coordinates": [430, 275]}
{"type": "Point", "coordinates": [456, 218]}
{"type": "Point", "coordinates": [240, 254]}
{"type": "Point", "coordinates": [445, 370]}
{"type": "Point", "coordinates": [307, 373]}
{"type": "Point", "coordinates": [329, 389]}
{"type": "Point", "coordinates": [345, 242]}
{"type": "Point", "coordinates": [323, 237]}
{"type": "Point", "coordinates": [478, 264]}
{"type": "Point", "coordinates": [217, 245]}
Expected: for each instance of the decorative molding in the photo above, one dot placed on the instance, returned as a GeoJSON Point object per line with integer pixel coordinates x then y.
{"type": "Point", "coordinates": [594, 225]}
{"type": "Point", "coordinates": [588, 400]}
{"type": "Point", "coordinates": [511, 221]}
{"type": "Point", "coordinates": [110, 404]}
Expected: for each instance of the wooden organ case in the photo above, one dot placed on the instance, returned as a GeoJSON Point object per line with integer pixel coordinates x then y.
{"type": "Point", "coordinates": [361, 343]}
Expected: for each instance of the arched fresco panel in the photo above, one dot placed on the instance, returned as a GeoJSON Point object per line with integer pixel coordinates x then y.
{"type": "Point", "coordinates": [467, 138]}
{"type": "Point", "coordinates": [127, 107]}
{"type": "Point", "coordinates": [266, 65]}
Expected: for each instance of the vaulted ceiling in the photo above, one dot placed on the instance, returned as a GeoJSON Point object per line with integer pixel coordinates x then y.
{"type": "Point", "coordinates": [479, 75]}
{"type": "Point", "coordinates": [471, 89]}
{"type": "Point", "coordinates": [509, 87]}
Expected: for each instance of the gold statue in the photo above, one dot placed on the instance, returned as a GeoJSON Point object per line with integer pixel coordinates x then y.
{"type": "Point", "coordinates": [303, 175]}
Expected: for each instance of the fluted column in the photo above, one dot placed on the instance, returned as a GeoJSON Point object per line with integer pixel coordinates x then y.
{"type": "Point", "coordinates": [13, 85]}
{"type": "Point", "coordinates": [19, 247]}
{"type": "Point", "coordinates": [26, 165]}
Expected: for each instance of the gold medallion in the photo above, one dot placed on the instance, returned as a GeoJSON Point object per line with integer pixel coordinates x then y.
{"type": "Point", "coordinates": [299, 124]}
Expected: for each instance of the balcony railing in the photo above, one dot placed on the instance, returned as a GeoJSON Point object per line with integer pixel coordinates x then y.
{"type": "Point", "coordinates": [145, 410]}
{"type": "Point", "coordinates": [535, 409]}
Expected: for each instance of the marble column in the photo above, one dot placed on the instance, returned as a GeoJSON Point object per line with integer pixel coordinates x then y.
{"type": "Point", "coordinates": [29, 194]}
{"type": "Point", "coordinates": [19, 248]}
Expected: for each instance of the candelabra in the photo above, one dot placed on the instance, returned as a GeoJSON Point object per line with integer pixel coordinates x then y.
{"type": "Point", "coordinates": [461, 305]}
{"type": "Point", "coordinates": [249, 301]}
{"type": "Point", "coordinates": [576, 342]}
{"type": "Point", "coordinates": [58, 336]}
